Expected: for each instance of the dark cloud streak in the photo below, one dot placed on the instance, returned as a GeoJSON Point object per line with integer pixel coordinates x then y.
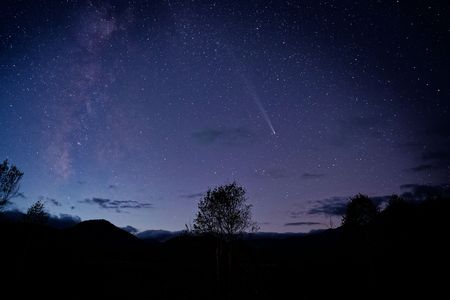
{"type": "Point", "coordinates": [51, 200]}
{"type": "Point", "coordinates": [312, 175]}
{"type": "Point", "coordinates": [272, 173]}
{"type": "Point", "coordinates": [223, 136]}
{"type": "Point", "coordinates": [302, 224]}
{"type": "Point", "coordinates": [192, 196]}
{"type": "Point", "coordinates": [130, 229]}
{"type": "Point", "coordinates": [116, 204]}
{"type": "Point", "coordinates": [334, 206]}
{"type": "Point", "coordinates": [422, 168]}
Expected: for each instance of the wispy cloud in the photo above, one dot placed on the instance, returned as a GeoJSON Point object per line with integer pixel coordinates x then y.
{"type": "Point", "coordinates": [421, 168]}
{"type": "Point", "coordinates": [51, 200]}
{"type": "Point", "coordinates": [418, 192]}
{"type": "Point", "coordinates": [296, 214]}
{"type": "Point", "coordinates": [432, 160]}
{"type": "Point", "coordinates": [130, 229]}
{"type": "Point", "coordinates": [312, 175]}
{"type": "Point", "coordinates": [280, 173]}
{"type": "Point", "coordinates": [116, 204]}
{"type": "Point", "coordinates": [192, 196]}
{"type": "Point", "coordinates": [436, 156]}
{"type": "Point", "coordinates": [334, 206]}
{"type": "Point", "coordinates": [302, 224]}
{"type": "Point", "coordinates": [272, 173]}
{"type": "Point", "coordinates": [224, 136]}
{"type": "Point", "coordinates": [54, 202]}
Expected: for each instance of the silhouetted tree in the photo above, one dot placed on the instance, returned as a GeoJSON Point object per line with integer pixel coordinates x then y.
{"type": "Point", "coordinates": [9, 182]}
{"type": "Point", "coordinates": [360, 211]}
{"type": "Point", "coordinates": [397, 205]}
{"type": "Point", "coordinates": [224, 213]}
{"type": "Point", "coordinates": [36, 214]}
{"type": "Point", "coordinates": [399, 214]}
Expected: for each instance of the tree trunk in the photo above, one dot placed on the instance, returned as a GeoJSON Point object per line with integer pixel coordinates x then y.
{"type": "Point", "coordinates": [230, 275]}
{"type": "Point", "coordinates": [218, 265]}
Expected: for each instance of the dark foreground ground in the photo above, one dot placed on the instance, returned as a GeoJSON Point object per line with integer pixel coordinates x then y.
{"type": "Point", "coordinates": [402, 254]}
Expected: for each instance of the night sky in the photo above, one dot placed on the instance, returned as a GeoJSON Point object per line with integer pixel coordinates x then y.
{"type": "Point", "coordinates": [130, 110]}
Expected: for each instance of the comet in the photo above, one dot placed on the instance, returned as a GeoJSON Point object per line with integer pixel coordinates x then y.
{"type": "Point", "coordinates": [252, 92]}
{"type": "Point", "coordinates": [264, 113]}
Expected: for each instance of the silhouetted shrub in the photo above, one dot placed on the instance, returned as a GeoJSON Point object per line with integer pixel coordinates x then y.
{"type": "Point", "coordinates": [360, 211]}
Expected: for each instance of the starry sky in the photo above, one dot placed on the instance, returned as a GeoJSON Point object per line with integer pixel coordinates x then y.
{"type": "Point", "coordinates": [130, 110]}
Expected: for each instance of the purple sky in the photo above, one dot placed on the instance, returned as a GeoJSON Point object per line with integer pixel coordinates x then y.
{"type": "Point", "coordinates": [129, 112]}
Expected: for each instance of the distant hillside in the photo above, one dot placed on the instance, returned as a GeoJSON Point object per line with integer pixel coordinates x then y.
{"type": "Point", "coordinates": [158, 235]}
{"type": "Point", "coordinates": [101, 232]}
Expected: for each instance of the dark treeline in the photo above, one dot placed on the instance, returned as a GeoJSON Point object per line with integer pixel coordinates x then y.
{"type": "Point", "coordinates": [399, 251]}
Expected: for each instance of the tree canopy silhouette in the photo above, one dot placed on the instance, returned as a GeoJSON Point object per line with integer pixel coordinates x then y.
{"type": "Point", "coordinates": [397, 206]}
{"type": "Point", "coordinates": [10, 177]}
{"type": "Point", "coordinates": [360, 211]}
{"type": "Point", "coordinates": [224, 212]}
{"type": "Point", "coordinates": [36, 214]}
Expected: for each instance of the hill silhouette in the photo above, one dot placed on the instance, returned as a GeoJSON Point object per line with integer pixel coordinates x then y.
{"type": "Point", "coordinates": [402, 252]}
{"type": "Point", "coordinates": [101, 233]}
